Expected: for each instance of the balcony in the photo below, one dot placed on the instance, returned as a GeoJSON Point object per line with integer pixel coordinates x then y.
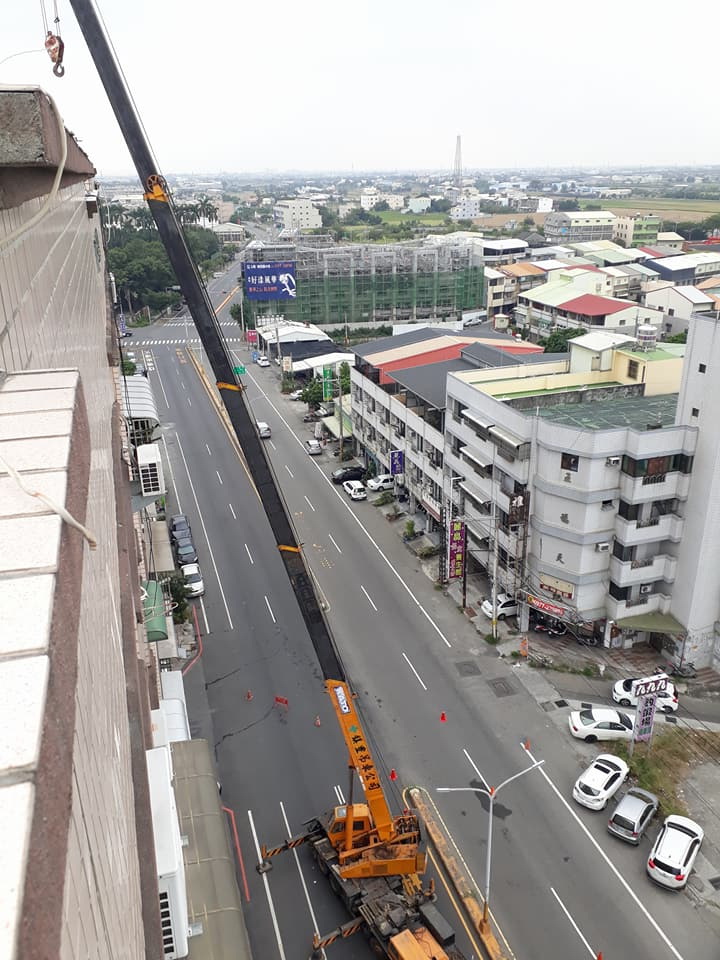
{"type": "Point", "coordinates": [652, 530]}
{"type": "Point", "coordinates": [630, 573]}
{"type": "Point", "coordinates": [663, 486]}
{"type": "Point", "coordinates": [650, 603]}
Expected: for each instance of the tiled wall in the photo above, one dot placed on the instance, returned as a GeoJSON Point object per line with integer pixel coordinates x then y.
{"type": "Point", "coordinates": [53, 314]}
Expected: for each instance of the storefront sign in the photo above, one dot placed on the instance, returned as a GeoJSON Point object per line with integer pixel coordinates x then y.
{"type": "Point", "coordinates": [552, 608]}
{"type": "Point", "coordinates": [561, 588]}
{"type": "Point", "coordinates": [642, 731]}
{"type": "Point", "coordinates": [457, 549]}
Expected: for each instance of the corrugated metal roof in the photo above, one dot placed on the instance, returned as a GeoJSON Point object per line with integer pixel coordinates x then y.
{"type": "Point", "coordinates": [138, 402]}
{"type": "Point", "coordinates": [591, 305]}
{"type": "Point", "coordinates": [526, 269]}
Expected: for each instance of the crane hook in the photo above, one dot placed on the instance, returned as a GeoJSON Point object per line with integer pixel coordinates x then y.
{"type": "Point", "coordinates": [55, 48]}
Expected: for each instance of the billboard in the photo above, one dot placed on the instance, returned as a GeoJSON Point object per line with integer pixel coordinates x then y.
{"type": "Point", "coordinates": [457, 549]}
{"type": "Point", "coordinates": [271, 280]}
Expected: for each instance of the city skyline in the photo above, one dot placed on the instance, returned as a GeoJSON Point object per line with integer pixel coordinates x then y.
{"type": "Point", "coordinates": [292, 89]}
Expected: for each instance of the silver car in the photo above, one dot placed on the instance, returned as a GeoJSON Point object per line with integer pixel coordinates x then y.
{"type": "Point", "coordinates": [633, 814]}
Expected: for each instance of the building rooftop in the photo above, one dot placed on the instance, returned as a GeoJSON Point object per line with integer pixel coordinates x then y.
{"type": "Point", "coordinates": [591, 305]}
{"type": "Point", "coordinates": [637, 413]}
{"type": "Point", "coordinates": [602, 340]}
{"type": "Point", "coordinates": [687, 261]}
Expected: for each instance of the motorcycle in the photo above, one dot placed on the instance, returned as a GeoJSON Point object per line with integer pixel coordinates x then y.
{"type": "Point", "coordinates": [685, 670]}
{"type": "Point", "coordinates": [554, 628]}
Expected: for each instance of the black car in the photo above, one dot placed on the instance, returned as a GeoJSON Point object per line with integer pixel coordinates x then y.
{"type": "Point", "coordinates": [185, 551]}
{"type": "Point", "coordinates": [347, 473]}
{"type": "Point", "coordinates": [179, 527]}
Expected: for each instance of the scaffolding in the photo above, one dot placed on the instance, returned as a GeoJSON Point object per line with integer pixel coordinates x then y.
{"type": "Point", "coordinates": [382, 282]}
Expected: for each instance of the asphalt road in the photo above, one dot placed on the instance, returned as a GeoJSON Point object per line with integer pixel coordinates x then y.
{"type": "Point", "coordinates": [561, 886]}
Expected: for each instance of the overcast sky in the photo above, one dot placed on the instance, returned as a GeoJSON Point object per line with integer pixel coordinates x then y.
{"type": "Point", "coordinates": [327, 85]}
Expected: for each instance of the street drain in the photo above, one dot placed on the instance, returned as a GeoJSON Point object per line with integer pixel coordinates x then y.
{"type": "Point", "coordinates": [501, 688]}
{"type": "Point", "coordinates": [467, 668]}
{"type": "Point", "coordinates": [561, 703]}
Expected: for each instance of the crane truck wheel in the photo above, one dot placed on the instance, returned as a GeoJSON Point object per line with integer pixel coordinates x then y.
{"type": "Point", "coordinates": [335, 885]}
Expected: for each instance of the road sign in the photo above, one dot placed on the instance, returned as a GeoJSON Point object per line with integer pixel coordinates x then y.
{"type": "Point", "coordinates": [327, 383]}
{"type": "Point", "coordinates": [397, 462]}
{"type": "Point", "coordinates": [254, 356]}
{"type": "Point", "coordinates": [239, 371]}
{"type": "Point", "coordinates": [649, 687]}
{"type": "Point", "coordinates": [644, 718]}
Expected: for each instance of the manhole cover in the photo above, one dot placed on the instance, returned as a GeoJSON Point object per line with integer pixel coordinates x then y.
{"type": "Point", "coordinates": [670, 719]}
{"type": "Point", "coordinates": [467, 668]}
{"type": "Point", "coordinates": [501, 688]}
{"type": "Point", "coordinates": [547, 706]}
{"type": "Point", "coordinates": [561, 703]}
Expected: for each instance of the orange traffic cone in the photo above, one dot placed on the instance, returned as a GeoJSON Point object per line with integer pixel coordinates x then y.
{"type": "Point", "coordinates": [249, 695]}
{"type": "Point", "coordinates": [443, 717]}
{"type": "Point", "coordinates": [317, 721]}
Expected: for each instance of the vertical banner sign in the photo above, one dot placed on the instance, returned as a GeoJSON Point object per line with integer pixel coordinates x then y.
{"type": "Point", "coordinates": [271, 280]}
{"type": "Point", "coordinates": [397, 462]}
{"type": "Point", "coordinates": [644, 717]}
{"type": "Point", "coordinates": [457, 549]}
{"type": "Point", "coordinates": [327, 383]}
{"type": "Point", "coordinates": [252, 336]}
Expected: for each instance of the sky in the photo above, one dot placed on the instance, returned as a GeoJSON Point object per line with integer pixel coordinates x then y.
{"type": "Point", "coordinates": [328, 86]}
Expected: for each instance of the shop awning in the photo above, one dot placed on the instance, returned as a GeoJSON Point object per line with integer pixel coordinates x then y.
{"type": "Point", "coordinates": [154, 611]}
{"type": "Point", "coordinates": [652, 623]}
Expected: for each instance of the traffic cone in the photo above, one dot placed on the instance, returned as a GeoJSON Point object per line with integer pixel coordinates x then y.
{"type": "Point", "coordinates": [443, 717]}
{"type": "Point", "coordinates": [249, 695]}
{"type": "Point", "coordinates": [317, 721]}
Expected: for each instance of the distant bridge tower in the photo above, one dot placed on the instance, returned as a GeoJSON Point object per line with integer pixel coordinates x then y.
{"type": "Point", "coordinates": [457, 169]}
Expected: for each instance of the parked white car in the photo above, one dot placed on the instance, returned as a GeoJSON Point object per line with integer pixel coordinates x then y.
{"type": "Point", "coordinates": [624, 693]}
{"type": "Point", "coordinates": [383, 481]}
{"type": "Point", "coordinates": [602, 780]}
{"type": "Point", "coordinates": [355, 490]}
{"type": "Point", "coordinates": [313, 447]}
{"type": "Point", "coordinates": [263, 362]}
{"type": "Point", "coordinates": [193, 579]}
{"type": "Point", "coordinates": [673, 854]}
{"type": "Point", "coordinates": [507, 606]}
{"type": "Point", "coordinates": [600, 723]}
{"type": "Point", "coordinates": [264, 430]}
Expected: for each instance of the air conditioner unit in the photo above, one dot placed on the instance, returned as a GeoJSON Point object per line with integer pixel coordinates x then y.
{"type": "Point", "coordinates": [613, 461]}
{"type": "Point", "coordinates": [603, 547]}
{"type": "Point", "coordinates": [646, 588]}
{"type": "Point", "coordinates": [150, 470]}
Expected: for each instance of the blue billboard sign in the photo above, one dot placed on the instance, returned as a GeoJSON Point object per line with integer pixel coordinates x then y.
{"type": "Point", "coordinates": [272, 280]}
{"type": "Point", "coordinates": [397, 462]}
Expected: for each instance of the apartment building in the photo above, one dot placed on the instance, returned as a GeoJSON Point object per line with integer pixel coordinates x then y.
{"type": "Point", "coordinates": [398, 401]}
{"type": "Point", "coordinates": [678, 304]}
{"type": "Point", "coordinates": [636, 229]}
{"type": "Point", "coordinates": [573, 478]}
{"type": "Point", "coordinates": [577, 225]}
{"type": "Point", "coordinates": [299, 214]}
{"type": "Point", "coordinates": [371, 197]}
{"type": "Point", "coordinates": [687, 269]}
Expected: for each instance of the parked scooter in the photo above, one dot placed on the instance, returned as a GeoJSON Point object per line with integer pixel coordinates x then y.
{"type": "Point", "coordinates": [685, 670]}
{"type": "Point", "coordinates": [554, 628]}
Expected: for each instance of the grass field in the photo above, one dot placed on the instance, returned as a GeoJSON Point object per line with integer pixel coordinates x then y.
{"type": "Point", "coordinates": [427, 219]}
{"type": "Point", "coordinates": [670, 210]}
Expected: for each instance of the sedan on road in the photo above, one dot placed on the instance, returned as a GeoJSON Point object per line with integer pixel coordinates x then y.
{"type": "Point", "coordinates": [633, 814]}
{"type": "Point", "coordinates": [179, 527]}
{"type": "Point", "coordinates": [264, 430]}
{"type": "Point", "coordinates": [383, 481]}
{"type": "Point", "coordinates": [347, 473]}
{"type": "Point", "coordinates": [673, 854]}
{"type": "Point", "coordinates": [263, 362]}
{"type": "Point", "coordinates": [313, 447]}
{"type": "Point", "coordinates": [600, 723]}
{"type": "Point", "coordinates": [296, 394]}
{"type": "Point", "coordinates": [193, 580]}
{"type": "Point", "coordinates": [355, 490]}
{"type": "Point", "coordinates": [507, 606]}
{"type": "Point", "coordinates": [185, 551]}
{"type": "Point", "coordinates": [602, 780]}
{"type": "Point", "coordinates": [624, 693]}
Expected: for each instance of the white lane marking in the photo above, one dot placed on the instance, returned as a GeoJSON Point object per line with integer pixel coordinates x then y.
{"type": "Point", "coordinates": [330, 537]}
{"type": "Point", "coordinates": [417, 675]}
{"type": "Point", "coordinates": [368, 596]}
{"type": "Point", "coordinates": [204, 613]}
{"type": "Point", "coordinates": [207, 538]}
{"type": "Point", "coordinates": [182, 384]}
{"type": "Point", "coordinates": [310, 505]}
{"type": "Point", "coordinates": [232, 511]}
{"type": "Point", "coordinates": [272, 445]}
{"type": "Point", "coordinates": [172, 475]}
{"type": "Point", "coordinates": [219, 477]}
{"type": "Point", "coordinates": [208, 450]}
{"type": "Point", "coordinates": [302, 876]}
{"type": "Point", "coordinates": [358, 521]}
{"type": "Point", "coordinates": [575, 927]}
{"type": "Point", "coordinates": [646, 913]}
{"type": "Point", "coordinates": [476, 769]}
{"type": "Point", "coordinates": [266, 884]}
{"type": "Point", "coordinates": [250, 556]}
{"type": "Point", "coordinates": [156, 371]}
{"type": "Point", "coordinates": [290, 471]}
{"type": "Point", "coordinates": [189, 402]}
{"type": "Point", "coordinates": [270, 609]}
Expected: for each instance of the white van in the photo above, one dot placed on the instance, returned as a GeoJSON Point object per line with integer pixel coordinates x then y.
{"type": "Point", "coordinates": [264, 430]}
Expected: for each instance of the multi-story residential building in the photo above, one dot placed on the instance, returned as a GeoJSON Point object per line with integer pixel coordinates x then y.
{"type": "Point", "coordinates": [437, 278]}
{"type": "Point", "coordinates": [398, 401]}
{"type": "Point", "coordinates": [299, 214]}
{"type": "Point", "coordinates": [636, 229]}
{"type": "Point", "coordinates": [573, 479]}
{"type": "Point", "coordinates": [419, 204]}
{"type": "Point", "coordinates": [688, 268]}
{"type": "Point", "coordinates": [576, 225]}
{"type": "Point", "coordinates": [467, 208]}
{"type": "Point", "coordinates": [678, 304]}
{"type": "Point", "coordinates": [669, 238]}
{"type": "Point", "coordinates": [504, 284]}
{"type": "Point", "coordinates": [371, 197]}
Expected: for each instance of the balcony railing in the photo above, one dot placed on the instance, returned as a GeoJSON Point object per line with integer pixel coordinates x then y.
{"type": "Point", "coordinates": [650, 522]}
{"type": "Point", "coordinates": [637, 602]}
{"type": "Point", "coordinates": [655, 478]}
{"type": "Point", "coordinates": [639, 564]}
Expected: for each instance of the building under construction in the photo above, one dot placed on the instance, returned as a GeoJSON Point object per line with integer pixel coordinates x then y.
{"type": "Point", "coordinates": [432, 278]}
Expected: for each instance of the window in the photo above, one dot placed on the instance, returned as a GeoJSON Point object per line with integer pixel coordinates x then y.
{"type": "Point", "coordinates": [702, 368]}
{"type": "Point", "coordinates": [569, 461]}
{"type": "Point", "coordinates": [633, 369]}
{"type": "Point", "coordinates": [695, 412]}
{"type": "Point", "coordinates": [607, 505]}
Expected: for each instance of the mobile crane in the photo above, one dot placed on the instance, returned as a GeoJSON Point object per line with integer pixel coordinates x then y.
{"type": "Point", "coordinates": [372, 859]}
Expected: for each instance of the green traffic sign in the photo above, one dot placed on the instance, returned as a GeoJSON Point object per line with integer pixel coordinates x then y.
{"type": "Point", "coordinates": [239, 370]}
{"type": "Point", "coordinates": [327, 383]}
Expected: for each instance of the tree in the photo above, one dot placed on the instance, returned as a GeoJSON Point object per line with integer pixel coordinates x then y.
{"type": "Point", "coordinates": [568, 205]}
{"type": "Point", "coordinates": [312, 395]}
{"type": "Point", "coordinates": [344, 377]}
{"type": "Point", "coordinates": [440, 206]}
{"type": "Point", "coordinates": [557, 342]}
{"type": "Point", "coordinates": [677, 338]}
{"type": "Point", "coordinates": [179, 593]}
{"type": "Point", "coordinates": [381, 206]}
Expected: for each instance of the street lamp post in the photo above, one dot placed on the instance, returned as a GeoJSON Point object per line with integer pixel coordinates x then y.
{"type": "Point", "coordinates": [490, 793]}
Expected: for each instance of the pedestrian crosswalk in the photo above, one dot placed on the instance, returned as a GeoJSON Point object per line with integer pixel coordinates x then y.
{"type": "Point", "coordinates": [174, 341]}
{"type": "Point", "coordinates": [182, 323]}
